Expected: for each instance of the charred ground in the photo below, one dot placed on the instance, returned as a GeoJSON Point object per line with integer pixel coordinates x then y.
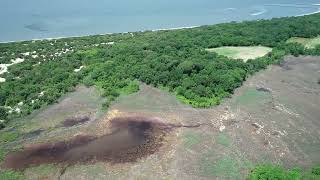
{"type": "Point", "coordinates": [130, 139]}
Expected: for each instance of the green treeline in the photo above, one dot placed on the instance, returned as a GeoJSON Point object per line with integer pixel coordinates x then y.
{"type": "Point", "coordinates": [175, 59]}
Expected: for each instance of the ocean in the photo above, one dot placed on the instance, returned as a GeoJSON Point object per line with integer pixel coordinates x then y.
{"type": "Point", "coordinates": [38, 19]}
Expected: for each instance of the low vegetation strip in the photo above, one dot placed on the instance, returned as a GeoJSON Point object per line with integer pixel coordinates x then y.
{"type": "Point", "coordinates": [244, 53]}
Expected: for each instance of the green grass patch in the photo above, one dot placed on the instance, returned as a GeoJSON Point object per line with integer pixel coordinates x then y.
{"type": "Point", "coordinates": [132, 87]}
{"type": "Point", "coordinates": [223, 139]}
{"type": "Point", "coordinates": [6, 136]}
{"type": "Point", "coordinates": [274, 172]}
{"type": "Point", "coordinates": [11, 175]}
{"type": "Point", "coordinates": [48, 170]}
{"type": "Point", "coordinates": [3, 154]}
{"type": "Point", "coordinates": [306, 42]}
{"type": "Point", "coordinates": [225, 167]}
{"type": "Point", "coordinates": [191, 139]}
{"type": "Point", "coordinates": [252, 97]}
{"type": "Point", "coordinates": [200, 102]}
{"type": "Point", "coordinates": [90, 53]}
{"type": "Point", "coordinates": [244, 53]}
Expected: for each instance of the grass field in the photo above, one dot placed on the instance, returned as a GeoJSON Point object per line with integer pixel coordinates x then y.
{"type": "Point", "coordinates": [307, 42]}
{"type": "Point", "coordinates": [244, 53]}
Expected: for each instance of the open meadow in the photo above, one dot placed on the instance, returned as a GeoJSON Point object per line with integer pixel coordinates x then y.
{"type": "Point", "coordinates": [244, 53]}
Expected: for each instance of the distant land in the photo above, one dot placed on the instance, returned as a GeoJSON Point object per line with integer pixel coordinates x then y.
{"type": "Point", "coordinates": [39, 19]}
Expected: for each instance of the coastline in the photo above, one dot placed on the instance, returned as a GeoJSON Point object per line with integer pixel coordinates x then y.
{"type": "Point", "coordinates": [77, 36]}
{"type": "Point", "coordinates": [153, 30]}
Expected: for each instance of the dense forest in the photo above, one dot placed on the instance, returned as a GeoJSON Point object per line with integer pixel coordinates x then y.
{"type": "Point", "coordinates": [173, 59]}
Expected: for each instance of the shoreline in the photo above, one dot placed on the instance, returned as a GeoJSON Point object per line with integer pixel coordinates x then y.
{"type": "Point", "coordinates": [77, 36]}
{"type": "Point", "coordinates": [152, 30]}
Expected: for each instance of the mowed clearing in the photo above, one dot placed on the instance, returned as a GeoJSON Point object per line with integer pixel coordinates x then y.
{"type": "Point", "coordinates": [306, 42]}
{"type": "Point", "coordinates": [244, 53]}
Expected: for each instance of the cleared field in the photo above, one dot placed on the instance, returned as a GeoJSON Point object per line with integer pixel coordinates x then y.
{"type": "Point", "coordinates": [272, 118]}
{"type": "Point", "coordinates": [307, 42]}
{"type": "Point", "coordinates": [244, 53]}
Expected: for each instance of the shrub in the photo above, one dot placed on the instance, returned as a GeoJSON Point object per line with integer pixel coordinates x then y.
{"type": "Point", "coordinates": [316, 170]}
{"type": "Point", "coordinates": [272, 172]}
{"type": "Point", "coordinates": [3, 113]}
{"type": "Point", "coordinates": [313, 174]}
{"type": "Point", "coordinates": [11, 175]}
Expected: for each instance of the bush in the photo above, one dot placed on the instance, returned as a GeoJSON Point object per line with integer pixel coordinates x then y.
{"type": "Point", "coordinates": [313, 174]}
{"type": "Point", "coordinates": [3, 113]}
{"type": "Point", "coordinates": [272, 172]}
{"type": "Point", "coordinates": [316, 170]}
{"type": "Point", "coordinates": [11, 175]}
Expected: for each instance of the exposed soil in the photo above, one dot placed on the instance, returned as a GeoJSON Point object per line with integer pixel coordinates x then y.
{"type": "Point", "coordinates": [130, 138]}
{"type": "Point", "coordinates": [75, 121]}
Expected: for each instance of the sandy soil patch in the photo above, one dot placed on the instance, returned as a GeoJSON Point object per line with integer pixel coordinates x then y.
{"type": "Point", "coordinates": [4, 67]}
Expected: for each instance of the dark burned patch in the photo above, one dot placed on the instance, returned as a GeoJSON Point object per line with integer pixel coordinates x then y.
{"type": "Point", "coordinates": [262, 89]}
{"type": "Point", "coordinates": [75, 121]}
{"type": "Point", "coordinates": [289, 65]}
{"type": "Point", "coordinates": [285, 65]}
{"type": "Point", "coordinates": [130, 139]}
{"type": "Point", "coordinates": [33, 133]}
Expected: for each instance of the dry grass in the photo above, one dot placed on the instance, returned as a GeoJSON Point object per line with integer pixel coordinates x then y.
{"type": "Point", "coordinates": [244, 53]}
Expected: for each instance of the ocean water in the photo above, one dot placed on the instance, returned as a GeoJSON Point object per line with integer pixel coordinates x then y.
{"type": "Point", "coordinates": [37, 19]}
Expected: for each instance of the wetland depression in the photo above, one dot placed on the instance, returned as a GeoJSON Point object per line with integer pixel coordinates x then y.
{"type": "Point", "coordinates": [130, 139]}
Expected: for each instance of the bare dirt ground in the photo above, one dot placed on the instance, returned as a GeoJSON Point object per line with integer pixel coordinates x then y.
{"type": "Point", "coordinates": [272, 118]}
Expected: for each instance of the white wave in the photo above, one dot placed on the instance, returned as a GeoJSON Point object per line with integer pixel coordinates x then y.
{"type": "Point", "coordinates": [230, 9]}
{"type": "Point", "coordinates": [259, 12]}
{"type": "Point", "coordinates": [76, 36]}
{"type": "Point", "coordinates": [166, 29]}
{"type": "Point", "coordinates": [292, 5]}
